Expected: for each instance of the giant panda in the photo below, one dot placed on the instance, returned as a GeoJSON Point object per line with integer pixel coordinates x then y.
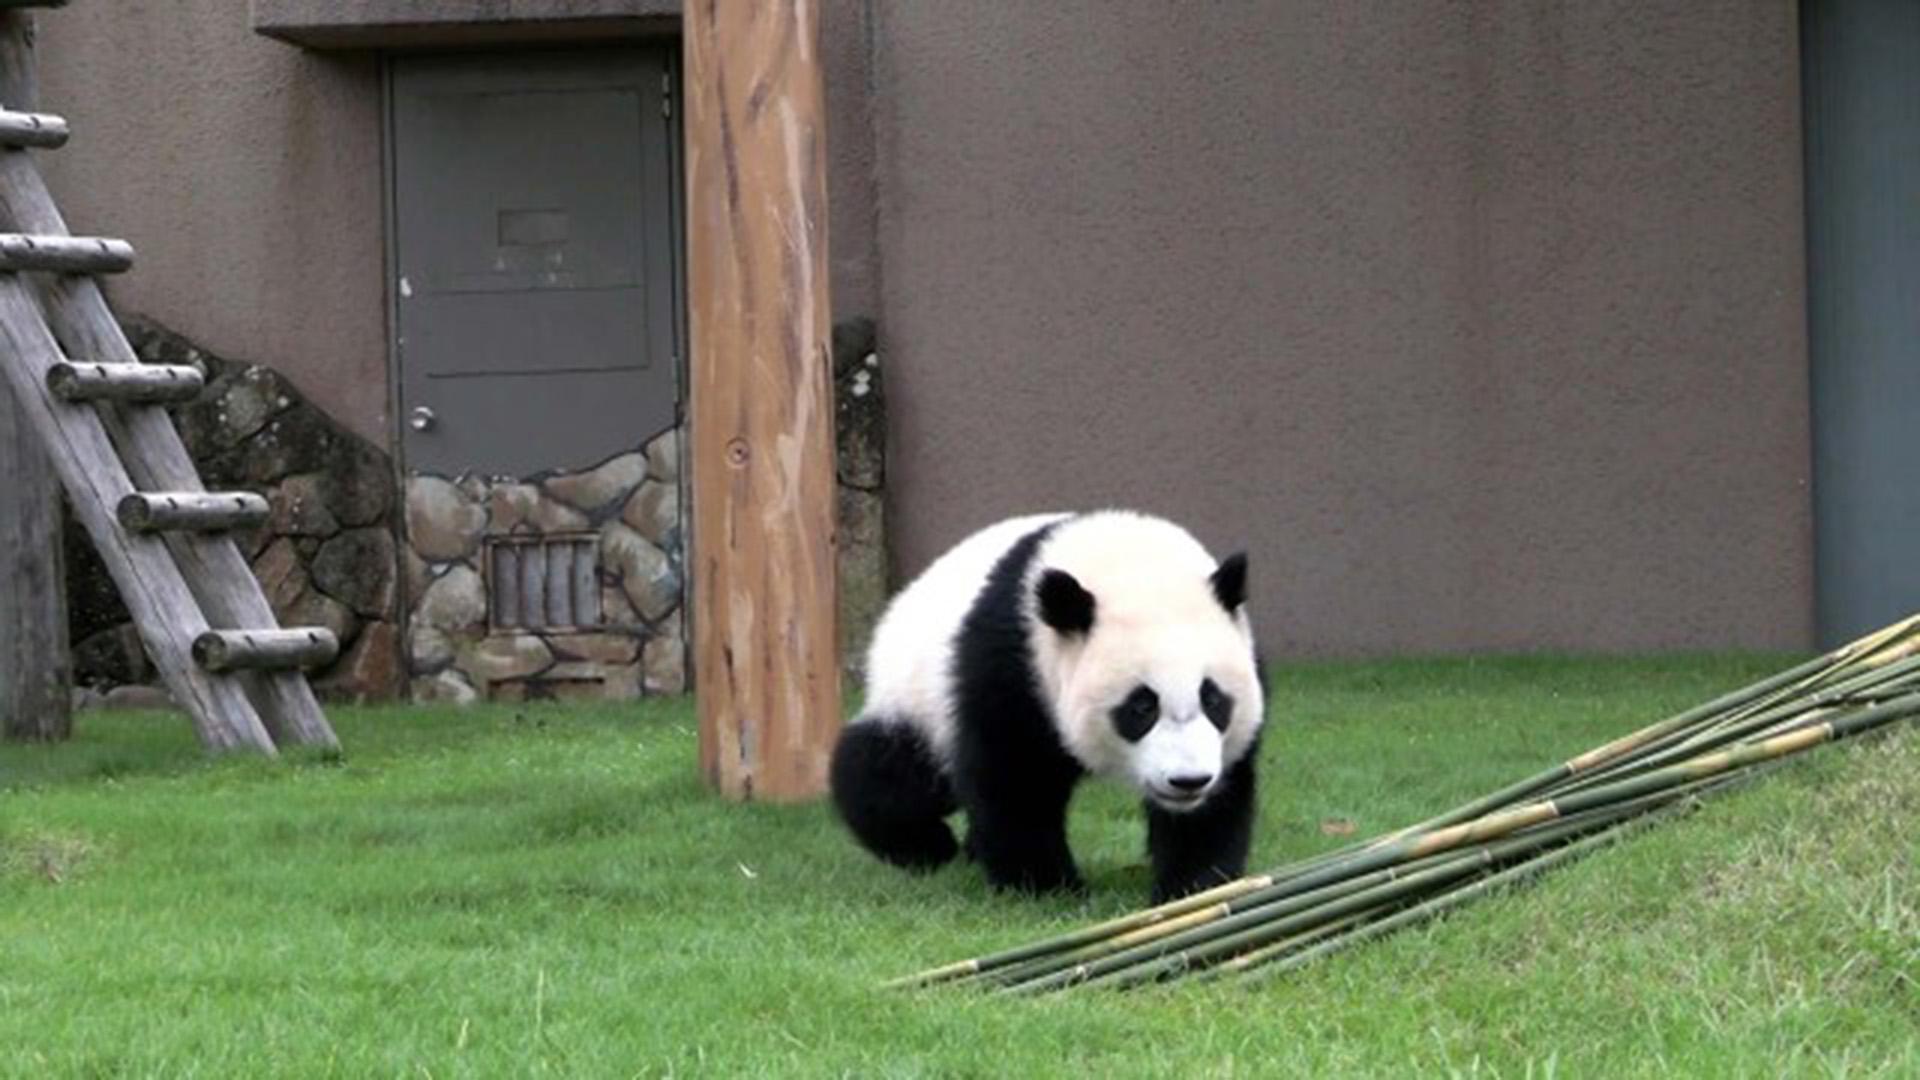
{"type": "Point", "coordinates": [1037, 651]}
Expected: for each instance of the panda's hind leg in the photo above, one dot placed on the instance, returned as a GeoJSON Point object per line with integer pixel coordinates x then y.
{"type": "Point", "coordinates": [890, 791]}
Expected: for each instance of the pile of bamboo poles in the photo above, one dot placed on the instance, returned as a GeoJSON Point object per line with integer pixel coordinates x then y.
{"type": "Point", "coordinates": [1258, 926]}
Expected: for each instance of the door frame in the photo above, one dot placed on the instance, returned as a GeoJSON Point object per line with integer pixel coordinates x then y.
{"type": "Point", "coordinates": [671, 49]}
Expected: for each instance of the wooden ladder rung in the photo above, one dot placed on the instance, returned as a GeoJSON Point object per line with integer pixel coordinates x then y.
{"type": "Point", "coordinates": [64, 254]}
{"type": "Point", "coordinates": [143, 383]}
{"type": "Point", "coordinates": [191, 511]}
{"type": "Point", "coordinates": [43, 130]}
{"type": "Point", "coordinates": [180, 583]}
{"type": "Point", "coordinates": [222, 651]}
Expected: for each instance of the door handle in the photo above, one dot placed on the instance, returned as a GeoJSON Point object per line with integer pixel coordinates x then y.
{"type": "Point", "coordinates": [421, 419]}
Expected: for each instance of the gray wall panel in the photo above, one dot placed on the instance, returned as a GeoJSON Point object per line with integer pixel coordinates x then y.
{"type": "Point", "coordinates": [1863, 214]}
{"type": "Point", "coordinates": [1480, 324]}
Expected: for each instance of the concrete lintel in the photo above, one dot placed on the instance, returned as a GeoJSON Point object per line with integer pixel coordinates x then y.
{"type": "Point", "coordinates": [384, 24]}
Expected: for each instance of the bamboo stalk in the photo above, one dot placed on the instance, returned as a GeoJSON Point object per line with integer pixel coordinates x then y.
{"type": "Point", "coordinates": [1305, 910]}
{"type": "Point", "coordinates": [1586, 834]}
{"type": "Point", "coordinates": [1627, 747]}
{"type": "Point", "coordinates": [1321, 904]}
{"type": "Point", "coordinates": [1160, 961]}
{"type": "Point", "coordinates": [1096, 932]}
{"type": "Point", "coordinates": [1717, 762]}
{"type": "Point", "coordinates": [1274, 963]}
{"type": "Point", "coordinates": [1329, 933]}
{"type": "Point", "coordinates": [1440, 904]}
{"type": "Point", "coordinates": [1841, 694]}
{"type": "Point", "coordinates": [1199, 925]}
{"type": "Point", "coordinates": [1848, 663]}
{"type": "Point", "coordinates": [1620, 749]}
{"type": "Point", "coordinates": [1127, 970]}
{"type": "Point", "coordinates": [1280, 900]}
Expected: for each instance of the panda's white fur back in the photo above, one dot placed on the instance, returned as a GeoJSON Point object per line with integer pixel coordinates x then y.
{"type": "Point", "coordinates": [910, 662]}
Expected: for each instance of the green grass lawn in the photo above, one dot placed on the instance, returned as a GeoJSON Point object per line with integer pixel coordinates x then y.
{"type": "Point", "coordinates": [550, 891]}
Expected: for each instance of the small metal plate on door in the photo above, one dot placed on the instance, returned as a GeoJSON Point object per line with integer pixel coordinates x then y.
{"type": "Point", "coordinates": [532, 228]}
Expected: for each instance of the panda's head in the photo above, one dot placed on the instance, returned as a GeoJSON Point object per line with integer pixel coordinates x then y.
{"type": "Point", "coordinates": [1151, 672]}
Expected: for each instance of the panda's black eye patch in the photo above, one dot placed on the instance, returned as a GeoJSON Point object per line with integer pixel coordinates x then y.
{"type": "Point", "coordinates": [1136, 714]}
{"type": "Point", "coordinates": [1216, 703]}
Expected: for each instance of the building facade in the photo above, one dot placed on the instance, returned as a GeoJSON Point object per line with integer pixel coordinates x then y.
{"type": "Point", "coordinates": [1480, 326]}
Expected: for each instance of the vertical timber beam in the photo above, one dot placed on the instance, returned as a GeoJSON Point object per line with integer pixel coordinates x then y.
{"type": "Point", "coordinates": [36, 665]}
{"type": "Point", "coordinates": [764, 568]}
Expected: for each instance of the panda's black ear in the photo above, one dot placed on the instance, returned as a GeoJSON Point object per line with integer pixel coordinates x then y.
{"type": "Point", "coordinates": [1064, 605]}
{"type": "Point", "coordinates": [1229, 581]}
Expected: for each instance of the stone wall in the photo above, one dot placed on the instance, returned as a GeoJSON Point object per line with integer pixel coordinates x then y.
{"type": "Point", "coordinates": [333, 553]}
{"type": "Point", "coordinates": [625, 511]}
{"type": "Point", "coordinates": [326, 556]}
{"type": "Point", "coordinates": [628, 512]}
{"type": "Point", "coordinates": [860, 429]}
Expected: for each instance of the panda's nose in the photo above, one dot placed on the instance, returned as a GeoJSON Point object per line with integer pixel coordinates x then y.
{"type": "Point", "coordinates": [1191, 782]}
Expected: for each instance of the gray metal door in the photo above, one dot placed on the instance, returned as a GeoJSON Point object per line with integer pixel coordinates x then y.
{"type": "Point", "coordinates": [1862, 85]}
{"type": "Point", "coordinates": [533, 264]}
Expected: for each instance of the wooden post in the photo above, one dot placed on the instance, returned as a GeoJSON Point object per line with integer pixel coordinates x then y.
{"type": "Point", "coordinates": [764, 607]}
{"type": "Point", "coordinates": [36, 665]}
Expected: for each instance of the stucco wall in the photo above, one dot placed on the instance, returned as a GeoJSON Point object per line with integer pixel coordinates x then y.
{"type": "Point", "coordinates": [246, 171]}
{"type": "Point", "coordinates": [845, 51]}
{"type": "Point", "coordinates": [247, 175]}
{"type": "Point", "coordinates": [1481, 325]}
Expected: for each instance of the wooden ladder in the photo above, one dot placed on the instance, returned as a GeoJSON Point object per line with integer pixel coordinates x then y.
{"type": "Point", "coordinates": [97, 410]}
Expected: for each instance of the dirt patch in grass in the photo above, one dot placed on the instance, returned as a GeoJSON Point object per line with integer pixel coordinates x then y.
{"type": "Point", "coordinates": [47, 856]}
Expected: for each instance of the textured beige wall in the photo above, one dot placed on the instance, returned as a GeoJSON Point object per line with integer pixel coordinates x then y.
{"type": "Point", "coordinates": [1480, 324]}
{"type": "Point", "coordinates": [246, 172]}
{"type": "Point", "coordinates": [845, 37]}
{"type": "Point", "coordinates": [247, 175]}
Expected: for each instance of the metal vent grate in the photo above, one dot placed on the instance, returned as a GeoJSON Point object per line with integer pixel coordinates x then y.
{"type": "Point", "coordinates": [544, 583]}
